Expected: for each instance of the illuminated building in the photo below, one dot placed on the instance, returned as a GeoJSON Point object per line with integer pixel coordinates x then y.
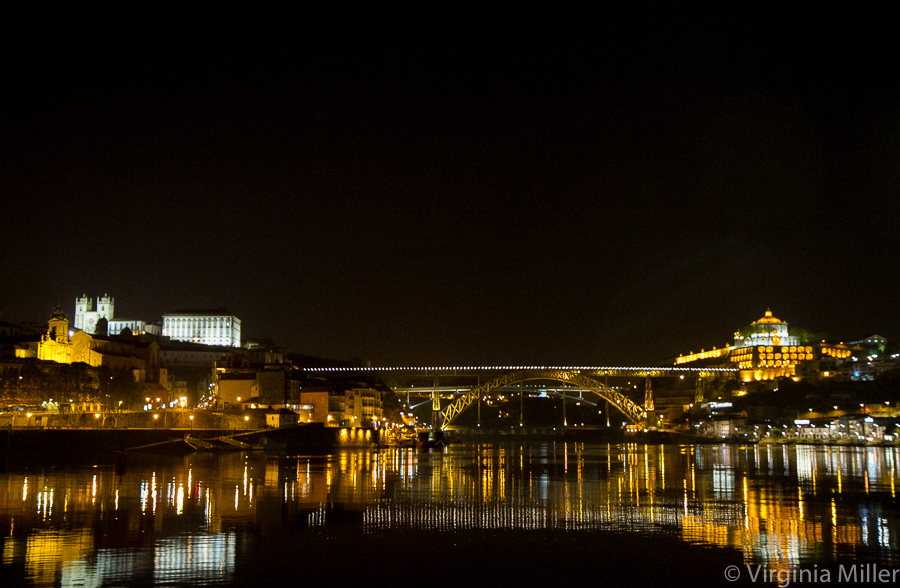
{"type": "Point", "coordinates": [872, 341]}
{"type": "Point", "coordinates": [765, 350]}
{"type": "Point", "coordinates": [136, 326]}
{"type": "Point", "coordinates": [314, 402]}
{"type": "Point", "coordinates": [358, 407]}
{"type": "Point", "coordinates": [207, 327]}
{"type": "Point", "coordinates": [55, 344]}
{"type": "Point", "coordinates": [88, 314]}
{"type": "Point", "coordinates": [238, 380]}
{"type": "Point", "coordinates": [711, 354]}
{"type": "Point", "coordinates": [117, 354]}
{"type": "Point", "coordinates": [281, 417]}
{"type": "Point", "coordinates": [767, 331]}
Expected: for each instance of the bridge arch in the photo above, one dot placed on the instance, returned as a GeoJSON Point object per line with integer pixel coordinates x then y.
{"type": "Point", "coordinates": [632, 411]}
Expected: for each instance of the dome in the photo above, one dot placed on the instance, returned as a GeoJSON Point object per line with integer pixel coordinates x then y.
{"type": "Point", "coordinates": [767, 319]}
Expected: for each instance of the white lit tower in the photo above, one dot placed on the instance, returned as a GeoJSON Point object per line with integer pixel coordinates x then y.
{"type": "Point", "coordinates": [87, 313]}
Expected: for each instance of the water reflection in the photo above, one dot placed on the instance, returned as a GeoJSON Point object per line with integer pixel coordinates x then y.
{"type": "Point", "coordinates": [179, 521]}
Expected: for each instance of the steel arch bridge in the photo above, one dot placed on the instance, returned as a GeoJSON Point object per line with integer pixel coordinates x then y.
{"type": "Point", "coordinates": [632, 411]}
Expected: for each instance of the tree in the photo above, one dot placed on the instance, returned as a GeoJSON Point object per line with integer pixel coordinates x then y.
{"type": "Point", "coordinates": [807, 337]}
{"type": "Point", "coordinates": [750, 330]}
{"type": "Point", "coordinates": [122, 387]}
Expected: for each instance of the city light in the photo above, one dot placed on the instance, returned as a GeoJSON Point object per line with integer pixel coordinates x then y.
{"type": "Point", "coordinates": [583, 368]}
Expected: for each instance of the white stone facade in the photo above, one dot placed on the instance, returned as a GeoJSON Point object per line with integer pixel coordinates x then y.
{"type": "Point", "coordinates": [87, 313]}
{"type": "Point", "coordinates": [767, 331]}
{"type": "Point", "coordinates": [204, 327]}
{"type": "Point", "coordinates": [137, 326]}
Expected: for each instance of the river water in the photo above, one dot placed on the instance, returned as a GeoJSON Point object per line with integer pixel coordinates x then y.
{"type": "Point", "coordinates": [529, 512]}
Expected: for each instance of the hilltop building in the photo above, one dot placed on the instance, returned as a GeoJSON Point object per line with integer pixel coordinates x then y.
{"type": "Point", "coordinates": [766, 350]}
{"type": "Point", "coordinates": [136, 326]}
{"type": "Point", "coordinates": [766, 331]}
{"type": "Point", "coordinates": [88, 315]}
{"type": "Point", "coordinates": [57, 345]}
{"type": "Point", "coordinates": [207, 327]}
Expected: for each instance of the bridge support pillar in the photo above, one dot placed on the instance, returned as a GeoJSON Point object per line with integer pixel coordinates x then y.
{"type": "Point", "coordinates": [648, 396]}
{"type": "Point", "coordinates": [606, 383]}
{"type": "Point", "coordinates": [436, 419]}
{"type": "Point", "coordinates": [521, 409]}
{"type": "Point", "coordinates": [477, 386]}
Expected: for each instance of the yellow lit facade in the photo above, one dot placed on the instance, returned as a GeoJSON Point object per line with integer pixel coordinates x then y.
{"type": "Point", "coordinates": [766, 350]}
{"type": "Point", "coordinates": [767, 362]}
{"type": "Point", "coordinates": [356, 407]}
{"type": "Point", "coordinates": [57, 346]}
{"type": "Point", "coordinates": [691, 357]}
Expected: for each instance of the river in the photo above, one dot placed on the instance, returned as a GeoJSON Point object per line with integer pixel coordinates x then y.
{"type": "Point", "coordinates": [531, 512]}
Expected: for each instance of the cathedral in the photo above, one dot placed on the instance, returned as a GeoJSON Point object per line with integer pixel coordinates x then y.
{"type": "Point", "coordinates": [88, 314]}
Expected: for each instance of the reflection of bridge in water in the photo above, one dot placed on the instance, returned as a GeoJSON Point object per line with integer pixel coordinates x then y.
{"type": "Point", "coordinates": [668, 513]}
{"type": "Point", "coordinates": [580, 378]}
{"type": "Point", "coordinates": [777, 504]}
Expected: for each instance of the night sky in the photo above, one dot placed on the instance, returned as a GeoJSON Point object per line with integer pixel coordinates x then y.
{"type": "Point", "coordinates": [600, 195]}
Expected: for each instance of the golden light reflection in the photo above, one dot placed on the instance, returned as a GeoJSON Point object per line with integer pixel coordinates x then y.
{"type": "Point", "coordinates": [730, 496]}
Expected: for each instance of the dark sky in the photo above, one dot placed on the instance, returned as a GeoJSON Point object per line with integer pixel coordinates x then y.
{"type": "Point", "coordinates": [605, 195]}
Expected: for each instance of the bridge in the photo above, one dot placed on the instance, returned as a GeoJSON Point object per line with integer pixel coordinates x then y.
{"type": "Point", "coordinates": [584, 378]}
{"type": "Point", "coordinates": [651, 371]}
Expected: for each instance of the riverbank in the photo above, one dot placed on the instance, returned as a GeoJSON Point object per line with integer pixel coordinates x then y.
{"type": "Point", "coordinates": [83, 445]}
{"type": "Point", "coordinates": [582, 434]}
{"type": "Point", "coordinates": [828, 442]}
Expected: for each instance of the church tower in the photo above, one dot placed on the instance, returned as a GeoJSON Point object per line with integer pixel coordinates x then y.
{"type": "Point", "coordinates": [83, 305]}
{"type": "Point", "coordinates": [58, 327]}
{"type": "Point", "coordinates": [55, 344]}
{"type": "Point", "coordinates": [105, 306]}
{"type": "Point", "coordinates": [88, 314]}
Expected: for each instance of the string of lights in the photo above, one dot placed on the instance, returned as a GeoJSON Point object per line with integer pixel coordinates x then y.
{"type": "Point", "coordinates": [519, 368]}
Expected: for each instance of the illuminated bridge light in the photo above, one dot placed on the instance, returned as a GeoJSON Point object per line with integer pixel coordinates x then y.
{"type": "Point", "coordinates": [656, 369]}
